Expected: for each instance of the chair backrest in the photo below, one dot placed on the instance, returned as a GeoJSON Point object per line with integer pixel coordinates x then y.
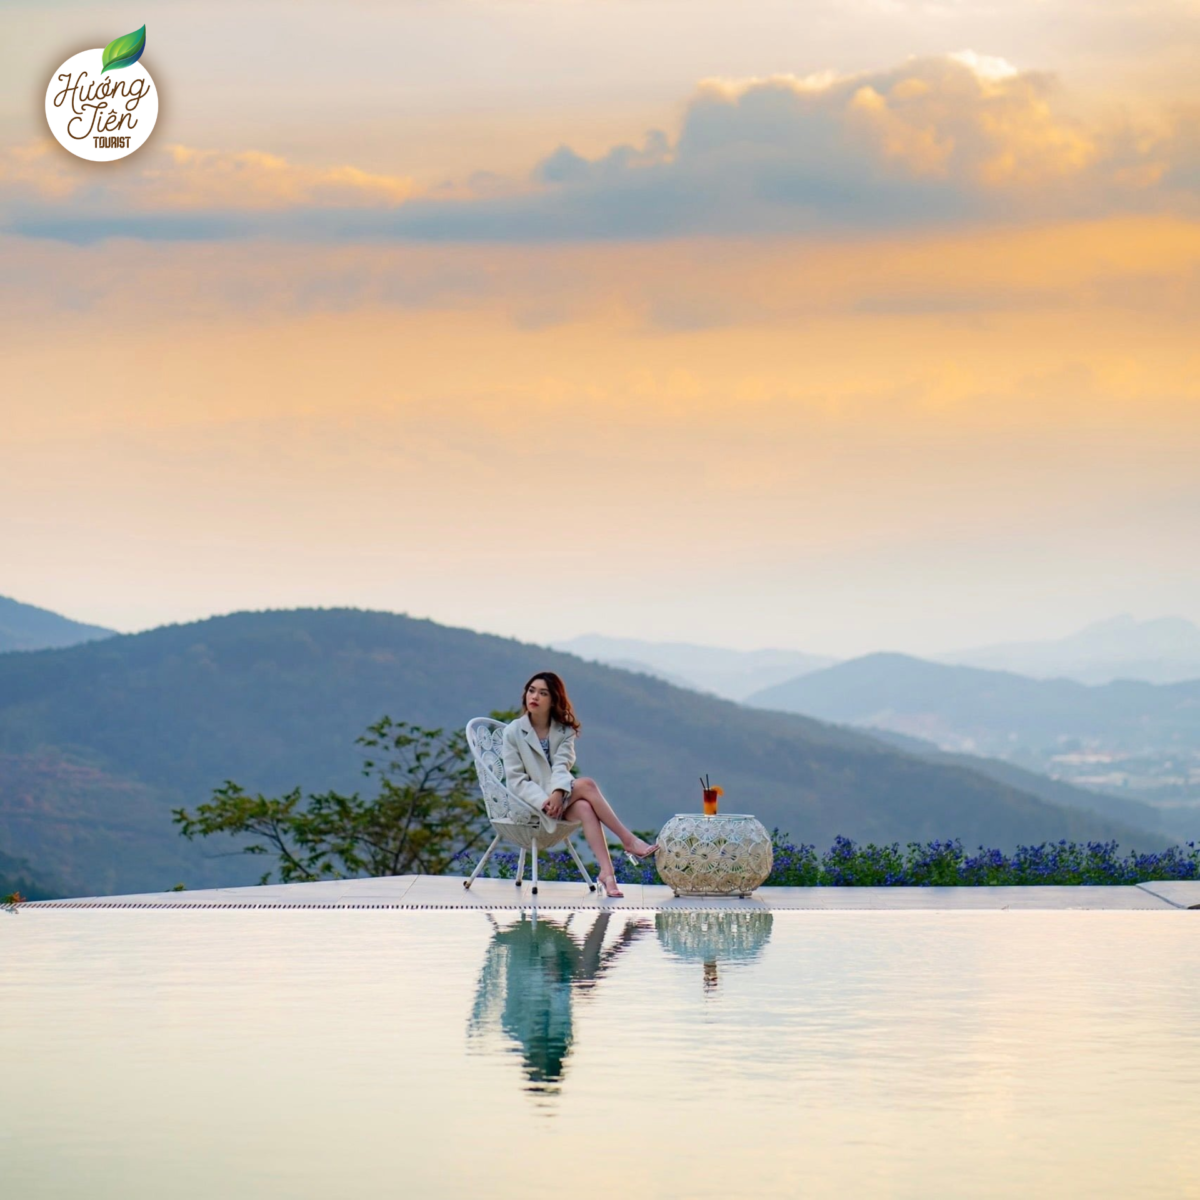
{"type": "Point", "coordinates": [486, 739]}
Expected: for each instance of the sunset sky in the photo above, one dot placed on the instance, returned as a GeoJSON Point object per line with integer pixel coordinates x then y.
{"type": "Point", "coordinates": [839, 325]}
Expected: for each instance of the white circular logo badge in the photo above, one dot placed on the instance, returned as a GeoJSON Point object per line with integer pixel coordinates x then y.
{"type": "Point", "coordinates": [102, 104]}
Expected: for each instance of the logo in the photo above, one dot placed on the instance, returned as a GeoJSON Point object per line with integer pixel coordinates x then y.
{"type": "Point", "coordinates": [102, 104]}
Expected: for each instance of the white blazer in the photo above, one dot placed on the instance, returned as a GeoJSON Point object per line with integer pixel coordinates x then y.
{"type": "Point", "coordinates": [526, 770]}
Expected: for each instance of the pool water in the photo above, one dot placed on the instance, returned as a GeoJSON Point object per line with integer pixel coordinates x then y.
{"type": "Point", "coordinates": [327, 1053]}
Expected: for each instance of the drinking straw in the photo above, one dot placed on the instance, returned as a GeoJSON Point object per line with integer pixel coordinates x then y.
{"type": "Point", "coordinates": [701, 780]}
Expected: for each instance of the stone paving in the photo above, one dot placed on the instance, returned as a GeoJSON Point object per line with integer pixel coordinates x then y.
{"type": "Point", "coordinates": [446, 892]}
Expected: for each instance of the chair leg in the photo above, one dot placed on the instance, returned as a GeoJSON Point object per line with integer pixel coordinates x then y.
{"type": "Point", "coordinates": [482, 862]}
{"type": "Point", "coordinates": [533, 853]}
{"type": "Point", "coordinates": [521, 867]}
{"type": "Point", "coordinates": [579, 863]}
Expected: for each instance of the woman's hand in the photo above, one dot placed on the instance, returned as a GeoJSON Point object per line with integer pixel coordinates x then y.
{"type": "Point", "coordinates": [554, 805]}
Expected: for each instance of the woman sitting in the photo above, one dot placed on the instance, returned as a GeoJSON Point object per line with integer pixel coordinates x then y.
{"type": "Point", "coordinates": [539, 751]}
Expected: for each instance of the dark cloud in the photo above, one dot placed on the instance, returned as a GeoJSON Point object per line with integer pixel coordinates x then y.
{"type": "Point", "coordinates": [933, 142]}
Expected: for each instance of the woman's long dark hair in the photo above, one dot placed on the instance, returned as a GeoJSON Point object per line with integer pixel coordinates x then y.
{"type": "Point", "coordinates": [560, 702]}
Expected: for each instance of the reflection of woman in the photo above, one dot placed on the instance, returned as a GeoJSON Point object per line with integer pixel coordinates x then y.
{"type": "Point", "coordinates": [539, 751]}
{"type": "Point", "coordinates": [527, 981]}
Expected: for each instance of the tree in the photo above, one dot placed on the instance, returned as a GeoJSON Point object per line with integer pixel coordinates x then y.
{"type": "Point", "coordinates": [427, 810]}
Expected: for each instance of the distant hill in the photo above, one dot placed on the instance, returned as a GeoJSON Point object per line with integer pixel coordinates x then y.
{"type": "Point", "coordinates": [733, 674]}
{"type": "Point", "coordinates": [974, 710]}
{"type": "Point", "coordinates": [26, 627]}
{"type": "Point", "coordinates": [644, 668]}
{"type": "Point", "coordinates": [1138, 741]}
{"type": "Point", "coordinates": [16, 875]}
{"type": "Point", "coordinates": [1164, 650]}
{"type": "Point", "coordinates": [99, 741]}
{"type": "Point", "coordinates": [1054, 791]}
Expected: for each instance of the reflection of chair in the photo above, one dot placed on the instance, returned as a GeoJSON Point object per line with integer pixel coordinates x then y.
{"type": "Point", "coordinates": [527, 983]}
{"type": "Point", "coordinates": [514, 820]}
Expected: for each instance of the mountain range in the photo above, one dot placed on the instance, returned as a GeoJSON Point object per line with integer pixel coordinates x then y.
{"type": "Point", "coordinates": [734, 674]}
{"type": "Point", "coordinates": [27, 627]}
{"type": "Point", "coordinates": [1163, 650]}
{"type": "Point", "coordinates": [99, 741]}
{"type": "Point", "coordinates": [1126, 809]}
{"type": "Point", "coordinates": [1141, 739]}
{"type": "Point", "coordinates": [985, 710]}
{"type": "Point", "coordinates": [16, 875]}
{"type": "Point", "coordinates": [1159, 650]}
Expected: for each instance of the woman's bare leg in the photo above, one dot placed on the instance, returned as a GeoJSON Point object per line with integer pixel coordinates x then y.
{"type": "Point", "coordinates": [587, 791]}
{"type": "Point", "coordinates": [581, 810]}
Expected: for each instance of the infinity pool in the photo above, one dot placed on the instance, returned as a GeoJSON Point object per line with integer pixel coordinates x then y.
{"type": "Point", "coordinates": [463, 1054]}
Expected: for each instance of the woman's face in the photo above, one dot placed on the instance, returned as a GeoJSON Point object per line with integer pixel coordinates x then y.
{"type": "Point", "coordinates": [537, 698]}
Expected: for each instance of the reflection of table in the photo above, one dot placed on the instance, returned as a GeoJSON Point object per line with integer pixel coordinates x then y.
{"type": "Point", "coordinates": [736, 936]}
{"type": "Point", "coordinates": [729, 854]}
{"type": "Point", "coordinates": [732, 937]}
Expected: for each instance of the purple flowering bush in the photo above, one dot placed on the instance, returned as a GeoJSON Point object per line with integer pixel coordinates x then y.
{"type": "Point", "coordinates": [920, 864]}
{"type": "Point", "coordinates": [947, 864]}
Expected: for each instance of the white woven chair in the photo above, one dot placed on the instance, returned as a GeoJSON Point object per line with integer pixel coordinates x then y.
{"type": "Point", "coordinates": [514, 820]}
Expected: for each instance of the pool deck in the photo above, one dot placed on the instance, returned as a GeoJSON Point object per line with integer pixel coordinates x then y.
{"type": "Point", "coordinates": [446, 892]}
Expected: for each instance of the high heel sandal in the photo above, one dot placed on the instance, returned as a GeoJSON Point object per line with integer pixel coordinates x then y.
{"type": "Point", "coordinates": [638, 859]}
{"type": "Point", "coordinates": [603, 881]}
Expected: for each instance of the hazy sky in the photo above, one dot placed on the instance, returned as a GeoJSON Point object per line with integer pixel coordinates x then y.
{"type": "Point", "coordinates": [832, 325]}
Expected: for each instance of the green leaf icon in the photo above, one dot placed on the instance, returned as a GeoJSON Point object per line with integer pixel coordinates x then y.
{"type": "Point", "coordinates": [124, 51]}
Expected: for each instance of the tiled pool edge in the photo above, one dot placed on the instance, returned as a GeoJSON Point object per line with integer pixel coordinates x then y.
{"type": "Point", "coordinates": [447, 893]}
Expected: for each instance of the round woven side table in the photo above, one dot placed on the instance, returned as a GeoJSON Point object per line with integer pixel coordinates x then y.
{"type": "Point", "coordinates": [726, 855]}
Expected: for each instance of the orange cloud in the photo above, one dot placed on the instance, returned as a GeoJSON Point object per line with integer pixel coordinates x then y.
{"type": "Point", "coordinates": [189, 178]}
{"type": "Point", "coordinates": [38, 171]}
{"type": "Point", "coordinates": [967, 119]}
{"type": "Point", "coordinates": [918, 146]}
{"type": "Point", "coordinates": [1129, 265]}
